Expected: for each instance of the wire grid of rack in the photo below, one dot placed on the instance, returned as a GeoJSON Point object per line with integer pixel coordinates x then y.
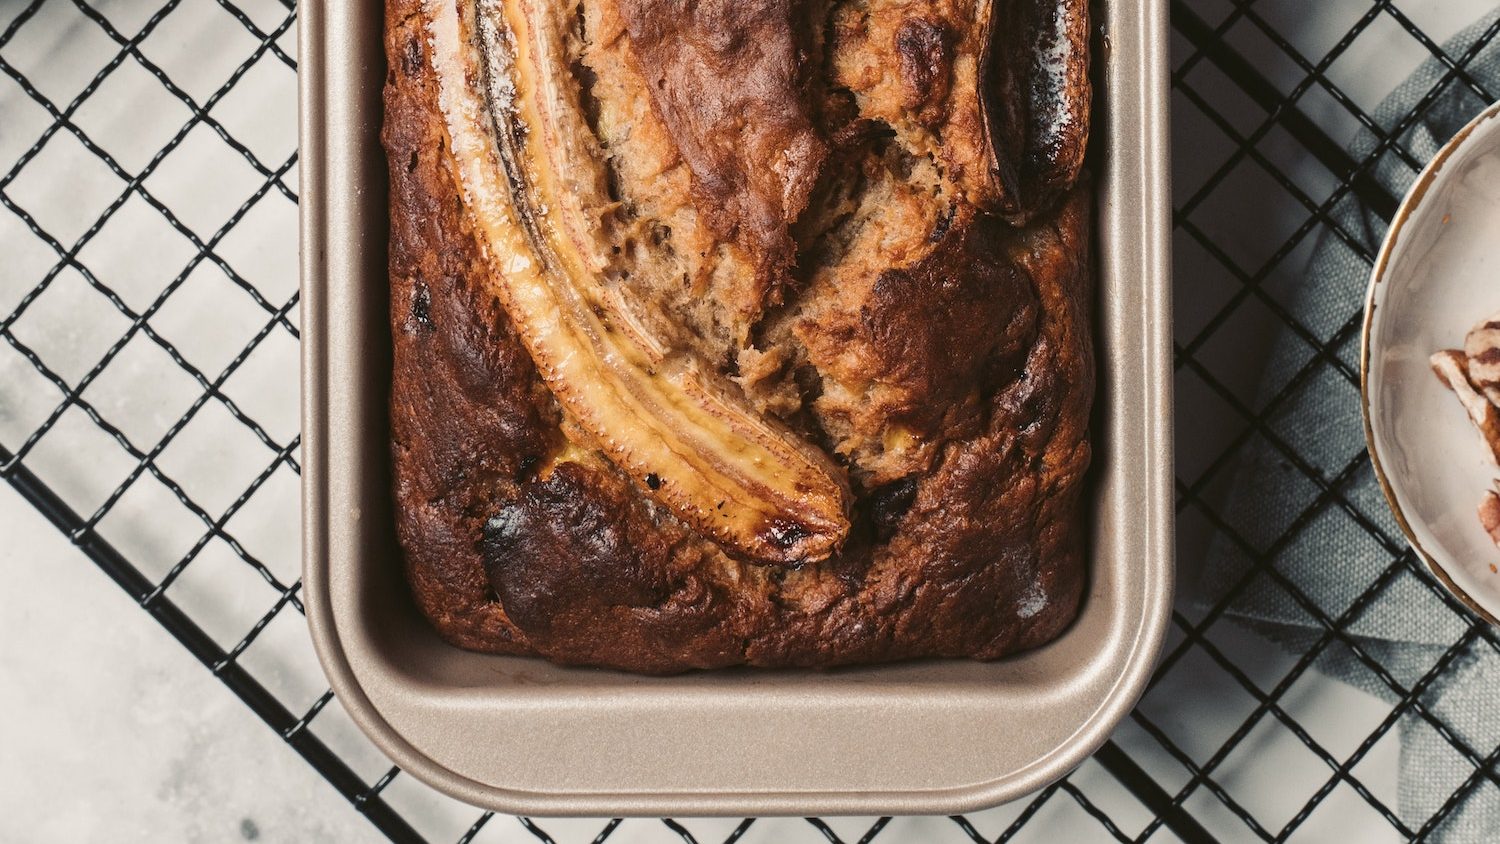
{"type": "Point", "coordinates": [150, 310]}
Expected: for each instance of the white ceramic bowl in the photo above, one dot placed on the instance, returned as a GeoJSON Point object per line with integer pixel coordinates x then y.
{"type": "Point", "coordinates": [1438, 273]}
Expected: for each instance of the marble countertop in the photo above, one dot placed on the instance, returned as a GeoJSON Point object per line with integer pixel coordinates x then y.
{"type": "Point", "coordinates": [110, 730]}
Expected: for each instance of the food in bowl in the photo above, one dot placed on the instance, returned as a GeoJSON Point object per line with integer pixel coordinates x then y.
{"type": "Point", "coordinates": [1473, 374]}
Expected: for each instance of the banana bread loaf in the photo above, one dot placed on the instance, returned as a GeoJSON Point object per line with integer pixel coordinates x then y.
{"type": "Point", "coordinates": [740, 331]}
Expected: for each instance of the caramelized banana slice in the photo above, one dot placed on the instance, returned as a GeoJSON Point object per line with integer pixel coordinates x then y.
{"type": "Point", "coordinates": [534, 191]}
{"type": "Point", "coordinates": [1034, 101]}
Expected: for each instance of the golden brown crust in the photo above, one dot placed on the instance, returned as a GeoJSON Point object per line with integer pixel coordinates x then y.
{"type": "Point", "coordinates": [977, 339]}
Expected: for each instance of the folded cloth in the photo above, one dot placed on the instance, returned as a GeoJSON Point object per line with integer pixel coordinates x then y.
{"type": "Point", "coordinates": [1398, 631]}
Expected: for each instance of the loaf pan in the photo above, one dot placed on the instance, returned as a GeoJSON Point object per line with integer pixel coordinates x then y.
{"type": "Point", "coordinates": [521, 736]}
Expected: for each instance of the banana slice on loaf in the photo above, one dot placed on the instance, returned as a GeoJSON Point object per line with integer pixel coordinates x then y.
{"type": "Point", "coordinates": [534, 191]}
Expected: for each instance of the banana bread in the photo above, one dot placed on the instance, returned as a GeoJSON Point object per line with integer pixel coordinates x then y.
{"type": "Point", "coordinates": [740, 331]}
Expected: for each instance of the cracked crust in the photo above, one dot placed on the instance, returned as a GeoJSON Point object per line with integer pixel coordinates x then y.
{"type": "Point", "coordinates": [972, 337]}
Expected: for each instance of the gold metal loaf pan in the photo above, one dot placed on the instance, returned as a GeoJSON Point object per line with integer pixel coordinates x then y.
{"type": "Point", "coordinates": [526, 737]}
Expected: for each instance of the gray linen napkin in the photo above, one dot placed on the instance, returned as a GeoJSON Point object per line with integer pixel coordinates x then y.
{"type": "Point", "coordinates": [1331, 559]}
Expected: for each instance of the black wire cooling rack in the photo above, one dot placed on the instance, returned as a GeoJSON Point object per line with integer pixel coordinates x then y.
{"type": "Point", "coordinates": [1258, 77]}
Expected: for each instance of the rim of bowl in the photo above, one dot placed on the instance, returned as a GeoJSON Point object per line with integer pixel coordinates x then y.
{"type": "Point", "coordinates": [1409, 205]}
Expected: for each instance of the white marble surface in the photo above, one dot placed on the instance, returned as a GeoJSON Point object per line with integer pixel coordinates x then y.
{"type": "Point", "coordinates": [110, 731]}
